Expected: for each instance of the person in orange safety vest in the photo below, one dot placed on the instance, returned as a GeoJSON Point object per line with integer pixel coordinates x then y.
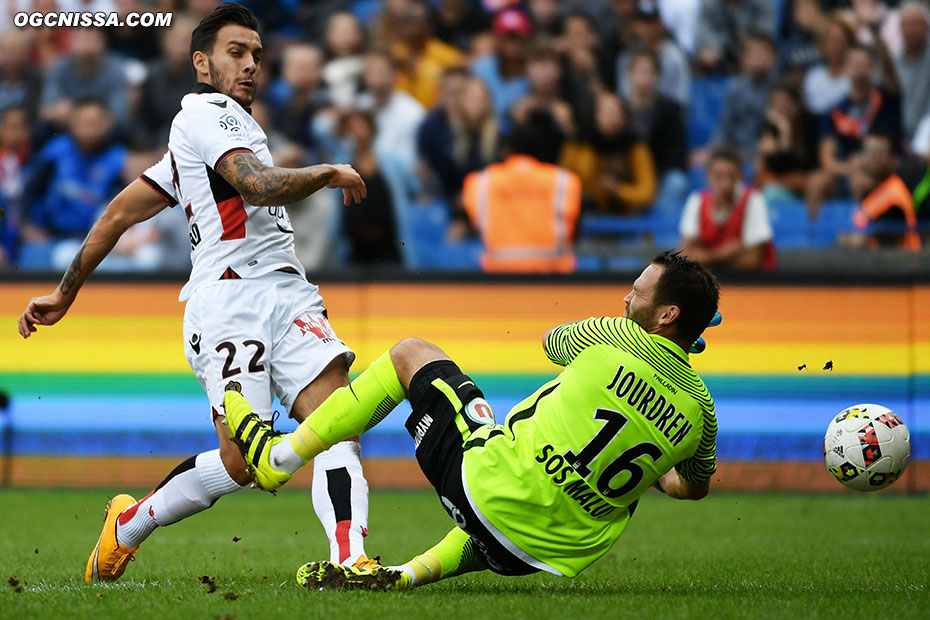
{"type": "Point", "coordinates": [526, 208]}
{"type": "Point", "coordinates": [886, 211]}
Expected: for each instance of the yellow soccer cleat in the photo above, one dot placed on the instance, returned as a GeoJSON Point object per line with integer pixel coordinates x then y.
{"type": "Point", "coordinates": [365, 574]}
{"type": "Point", "coordinates": [108, 560]}
{"type": "Point", "coordinates": [254, 439]}
{"type": "Point", "coordinates": [364, 561]}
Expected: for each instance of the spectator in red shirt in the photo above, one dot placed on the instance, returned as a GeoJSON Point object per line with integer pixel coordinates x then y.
{"type": "Point", "coordinates": [727, 225]}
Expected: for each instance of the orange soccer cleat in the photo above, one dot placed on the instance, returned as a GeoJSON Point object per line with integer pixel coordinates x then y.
{"type": "Point", "coordinates": [108, 560]}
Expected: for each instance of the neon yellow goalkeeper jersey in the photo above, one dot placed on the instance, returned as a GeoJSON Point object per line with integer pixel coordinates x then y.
{"type": "Point", "coordinates": [556, 481]}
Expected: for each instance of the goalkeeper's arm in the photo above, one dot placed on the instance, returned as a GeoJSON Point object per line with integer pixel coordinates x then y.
{"type": "Point", "coordinates": [564, 342]}
{"type": "Point", "coordinates": [674, 485]}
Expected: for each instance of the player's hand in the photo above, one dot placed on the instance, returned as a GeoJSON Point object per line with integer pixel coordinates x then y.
{"type": "Point", "coordinates": [700, 344]}
{"type": "Point", "coordinates": [350, 182]}
{"type": "Point", "coordinates": [45, 310]}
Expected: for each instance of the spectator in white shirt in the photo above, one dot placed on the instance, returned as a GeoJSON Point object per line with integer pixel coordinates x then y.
{"type": "Point", "coordinates": [913, 64]}
{"type": "Point", "coordinates": [728, 224]}
{"type": "Point", "coordinates": [397, 114]}
{"type": "Point", "coordinates": [826, 84]}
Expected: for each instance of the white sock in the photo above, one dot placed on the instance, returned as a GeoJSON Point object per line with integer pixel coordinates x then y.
{"type": "Point", "coordinates": [193, 486]}
{"type": "Point", "coordinates": [340, 499]}
{"type": "Point", "coordinates": [283, 457]}
{"type": "Point", "coordinates": [410, 572]}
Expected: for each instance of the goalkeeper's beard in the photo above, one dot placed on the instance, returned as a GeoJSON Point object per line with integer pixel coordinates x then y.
{"type": "Point", "coordinates": [644, 317]}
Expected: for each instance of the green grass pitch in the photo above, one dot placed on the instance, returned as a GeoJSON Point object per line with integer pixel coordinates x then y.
{"type": "Point", "coordinates": [728, 556]}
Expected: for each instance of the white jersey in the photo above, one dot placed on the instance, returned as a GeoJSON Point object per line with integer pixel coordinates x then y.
{"type": "Point", "coordinates": [230, 238]}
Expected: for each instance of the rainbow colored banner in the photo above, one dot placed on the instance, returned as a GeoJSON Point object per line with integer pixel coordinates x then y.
{"type": "Point", "coordinates": [111, 378]}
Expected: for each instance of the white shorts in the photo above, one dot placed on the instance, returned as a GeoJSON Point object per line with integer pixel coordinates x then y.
{"type": "Point", "coordinates": [270, 334]}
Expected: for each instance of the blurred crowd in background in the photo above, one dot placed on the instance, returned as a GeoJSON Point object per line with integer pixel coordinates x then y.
{"type": "Point", "coordinates": [536, 135]}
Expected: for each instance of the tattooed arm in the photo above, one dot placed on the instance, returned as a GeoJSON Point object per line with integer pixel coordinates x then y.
{"type": "Point", "coordinates": [137, 203]}
{"type": "Point", "coordinates": [263, 185]}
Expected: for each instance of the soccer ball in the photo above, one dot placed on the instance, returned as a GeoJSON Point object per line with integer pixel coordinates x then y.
{"type": "Point", "coordinates": [866, 447]}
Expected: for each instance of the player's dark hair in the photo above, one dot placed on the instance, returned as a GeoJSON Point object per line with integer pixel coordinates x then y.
{"type": "Point", "coordinates": [204, 36]}
{"type": "Point", "coordinates": [690, 286]}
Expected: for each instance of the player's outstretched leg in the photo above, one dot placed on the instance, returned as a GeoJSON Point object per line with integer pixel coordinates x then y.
{"type": "Point", "coordinates": [453, 556]}
{"type": "Point", "coordinates": [347, 412]}
{"type": "Point", "coordinates": [191, 487]}
{"type": "Point", "coordinates": [109, 558]}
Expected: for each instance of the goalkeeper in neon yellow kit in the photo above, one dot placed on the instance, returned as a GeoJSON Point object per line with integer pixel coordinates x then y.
{"type": "Point", "coordinates": [554, 486]}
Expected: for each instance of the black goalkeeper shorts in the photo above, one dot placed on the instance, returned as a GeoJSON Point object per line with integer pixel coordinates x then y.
{"type": "Point", "coordinates": [439, 394]}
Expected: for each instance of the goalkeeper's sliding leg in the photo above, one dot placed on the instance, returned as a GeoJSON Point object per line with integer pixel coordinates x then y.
{"type": "Point", "coordinates": [454, 555]}
{"type": "Point", "coordinates": [349, 411]}
{"type": "Point", "coordinates": [449, 411]}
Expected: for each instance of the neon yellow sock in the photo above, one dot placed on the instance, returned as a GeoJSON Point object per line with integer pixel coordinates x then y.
{"type": "Point", "coordinates": [306, 443]}
{"type": "Point", "coordinates": [453, 556]}
{"type": "Point", "coordinates": [351, 410]}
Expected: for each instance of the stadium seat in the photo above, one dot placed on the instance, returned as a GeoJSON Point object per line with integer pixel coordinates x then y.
{"type": "Point", "coordinates": [425, 231]}
{"type": "Point", "coordinates": [667, 219]}
{"type": "Point", "coordinates": [588, 263]}
{"type": "Point", "coordinates": [625, 263]}
{"type": "Point", "coordinates": [365, 10]}
{"type": "Point", "coordinates": [658, 225]}
{"type": "Point", "coordinates": [779, 8]}
{"type": "Point", "coordinates": [36, 256]}
{"type": "Point", "coordinates": [791, 226]}
{"type": "Point", "coordinates": [616, 225]}
{"type": "Point", "coordinates": [464, 255]}
{"type": "Point", "coordinates": [708, 95]}
{"type": "Point", "coordinates": [835, 217]}
{"type": "Point", "coordinates": [425, 238]}
{"type": "Point", "coordinates": [698, 177]}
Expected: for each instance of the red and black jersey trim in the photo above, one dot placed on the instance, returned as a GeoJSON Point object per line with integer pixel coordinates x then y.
{"type": "Point", "coordinates": [158, 188]}
{"type": "Point", "coordinates": [229, 204]}
{"type": "Point", "coordinates": [230, 274]}
{"type": "Point", "coordinates": [238, 149]}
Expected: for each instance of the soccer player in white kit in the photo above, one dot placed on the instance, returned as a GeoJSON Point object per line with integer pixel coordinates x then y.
{"type": "Point", "coordinates": [251, 316]}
